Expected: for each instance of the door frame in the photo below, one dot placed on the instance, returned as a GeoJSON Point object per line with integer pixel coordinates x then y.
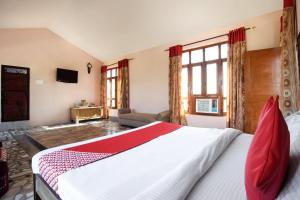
{"type": "Point", "coordinates": [2, 92]}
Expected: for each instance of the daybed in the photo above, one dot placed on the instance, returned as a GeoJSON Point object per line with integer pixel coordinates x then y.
{"type": "Point", "coordinates": [132, 119]}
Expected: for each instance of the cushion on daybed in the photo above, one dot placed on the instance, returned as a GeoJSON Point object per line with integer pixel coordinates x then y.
{"type": "Point", "coordinates": [142, 117]}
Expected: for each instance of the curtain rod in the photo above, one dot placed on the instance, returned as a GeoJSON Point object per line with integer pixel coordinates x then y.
{"type": "Point", "coordinates": [211, 38]}
{"type": "Point", "coordinates": [117, 62]}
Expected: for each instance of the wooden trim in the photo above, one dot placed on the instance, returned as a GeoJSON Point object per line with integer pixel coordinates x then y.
{"type": "Point", "coordinates": [35, 143]}
{"type": "Point", "coordinates": [116, 85]}
{"type": "Point", "coordinates": [42, 191]}
{"type": "Point", "coordinates": [115, 63]}
{"type": "Point", "coordinates": [219, 81]}
{"type": "Point", "coordinates": [204, 47]}
{"type": "Point", "coordinates": [211, 38]}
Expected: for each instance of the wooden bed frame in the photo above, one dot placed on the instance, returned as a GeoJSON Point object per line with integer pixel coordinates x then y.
{"type": "Point", "coordinates": [41, 190]}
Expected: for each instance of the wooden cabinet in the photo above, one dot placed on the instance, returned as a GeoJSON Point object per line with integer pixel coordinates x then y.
{"type": "Point", "coordinates": [85, 113]}
{"type": "Point", "coordinates": [262, 79]}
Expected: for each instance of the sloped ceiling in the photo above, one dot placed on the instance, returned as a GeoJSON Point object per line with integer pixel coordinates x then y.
{"type": "Point", "coordinates": [111, 28]}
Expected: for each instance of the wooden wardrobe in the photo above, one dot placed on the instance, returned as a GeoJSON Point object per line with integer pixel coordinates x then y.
{"type": "Point", "coordinates": [262, 79]}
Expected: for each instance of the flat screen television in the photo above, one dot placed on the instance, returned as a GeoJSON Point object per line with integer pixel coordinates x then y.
{"type": "Point", "coordinates": [66, 75]}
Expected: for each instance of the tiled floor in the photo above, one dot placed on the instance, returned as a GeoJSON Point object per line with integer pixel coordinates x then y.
{"type": "Point", "coordinates": [20, 151]}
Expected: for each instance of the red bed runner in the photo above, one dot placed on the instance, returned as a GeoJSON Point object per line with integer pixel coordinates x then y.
{"type": "Point", "coordinates": [58, 162]}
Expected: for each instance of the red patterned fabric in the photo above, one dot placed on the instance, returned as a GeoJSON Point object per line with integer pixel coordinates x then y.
{"type": "Point", "coordinates": [103, 69]}
{"type": "Point", "coordinates": [175, 51]}
{"type": "Point", "coordinates": [268, 156]}
{"type": "Point", "coordinates": [54, 164]}
{"type": "Point", "coordinates": [123, 63]}
{"type": "Point", "coordinates": [3, 155]}
{"type": "Point", "coordinates": [288, 3]}
{"type": "Point", "coordinates": [3, 172]}
{"type": "Point", "coordinates": [58, 162]}
{"type": "Point", "coordinates": [237, 35]}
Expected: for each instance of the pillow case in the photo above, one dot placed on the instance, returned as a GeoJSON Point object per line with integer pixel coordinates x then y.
{"type": "Point", "coordinates": [265, 108]}
{"type": "Point", "coordinates": [291, 186]}
{"type": "Point", "coordinates": [268, 156]}
{"type": "Point", "coordinates": [293, 123]}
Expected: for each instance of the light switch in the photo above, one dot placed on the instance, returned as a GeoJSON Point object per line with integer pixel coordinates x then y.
{"type": "Point", "coordinates": [39, 82]}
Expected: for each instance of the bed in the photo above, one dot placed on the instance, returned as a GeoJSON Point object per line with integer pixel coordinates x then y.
{"type": "Point", "coordinates": [157, 169]}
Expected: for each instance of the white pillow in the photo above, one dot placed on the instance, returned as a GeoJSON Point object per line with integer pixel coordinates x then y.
{"type": "Point", "coordinates": [293, 123]}
{"type": "Point", "coordinates": [290, 190]}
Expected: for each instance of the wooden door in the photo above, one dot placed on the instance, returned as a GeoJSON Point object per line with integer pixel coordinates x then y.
{"type": "Point", "coordinates": [262, 79]}
{"type": "Point", "coordinates": [14, 93]}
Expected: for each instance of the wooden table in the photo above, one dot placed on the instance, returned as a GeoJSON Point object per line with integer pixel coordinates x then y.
{"type": "Point", "coordinates": [85, 113]}
{"type": "Point", "coordinates": [52, 138]}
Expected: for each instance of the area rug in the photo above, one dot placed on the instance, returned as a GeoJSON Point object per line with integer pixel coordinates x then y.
{"type": "Point", "coordinates": [19, 161]}
{"type": "Point", "coordinates": [19, 164]}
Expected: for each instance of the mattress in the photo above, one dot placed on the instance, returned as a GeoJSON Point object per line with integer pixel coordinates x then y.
{"type": "Point", "coordinates": [225, 180]}
{"type": "Point", "coordinates": [155, 170]}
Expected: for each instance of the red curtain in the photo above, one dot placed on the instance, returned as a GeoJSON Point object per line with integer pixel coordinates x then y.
{"type": "Point", "coordinates": [103, 99]}
{"type": "Point", "coordinates": [288, 3]}
{"type": "Point", "coordinates": [237, 35]}
{"type": "Point", "coordinates": [123, 84]}
{"type": "Point", "coordinates": [103, 69]}
{"type": "Point", "coordinates": [236, 62]}
{"type": "Point", "coordinates": [175, 51]}
{"type": "Point", "coordinates": [123, 63]}
{"type": "Point", "coordinates": [175, 102]}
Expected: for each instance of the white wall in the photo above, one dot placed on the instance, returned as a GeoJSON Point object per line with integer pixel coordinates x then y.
{"type": "Point", "coordinates": [149, 69]}
{"type": "Point", "coordinates": [43, 51]}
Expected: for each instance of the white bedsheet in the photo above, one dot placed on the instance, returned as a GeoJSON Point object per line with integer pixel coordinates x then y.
{"type": "Point", "coordinates": [164, 168]}
{"type": "Point", "coordinates": [225, 180]}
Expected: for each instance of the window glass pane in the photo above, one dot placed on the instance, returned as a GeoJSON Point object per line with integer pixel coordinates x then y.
{"type": "Point", "coordinates": [212, 53]}
{"type": "Point", "coordinates": [224, 50]}
{"type": "Point", "coordinates": [113, 88]}
{"type": "Point", "coordinates": [114, 72]}
{"type": "Point", "coordinates": [197, 56]}
{"type": "Point", "coordinates": [224, 105]}
{"type": "Point", "coordinates": [225, 79]}
{"type": "Point", "coordinates": [108, 88]}
{"type": "Point", "coordinates": [197, 80]}
{"type": "Point", "coordinates": [108, 103]}
{"type": "Point", "coordinates": [108, 74]}
{"type": "Point", "coordinates": [184, 82]}
{"type": "Point", "coordinates": [185, 58]}
{"type": "Point", "coordinates": [211, 77]}
{"type": "Point", "coordinates": [185, 104]}
{"type": "Point", "coordinates": [113, 103]}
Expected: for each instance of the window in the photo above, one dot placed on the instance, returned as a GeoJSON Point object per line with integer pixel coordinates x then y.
{"type": "Point", "coordinates": [204, 79]}
{"type": "Point", "coordinates": [111, 87]}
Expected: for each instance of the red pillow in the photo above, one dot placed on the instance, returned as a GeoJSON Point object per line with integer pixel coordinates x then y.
{"type": "Point", "coordinates": [266, 107]}
{"type": "Point", "coordinates": [268, 156]}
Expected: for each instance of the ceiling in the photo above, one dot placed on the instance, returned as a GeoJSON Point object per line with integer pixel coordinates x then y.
{"type": "Point", "coordinates": [110, 29]}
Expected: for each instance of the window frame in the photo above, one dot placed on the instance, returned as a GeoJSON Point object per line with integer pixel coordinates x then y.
{"type": "Point", "coordinates": [110, 79]}
{"type": "Point", "coordinates": [219, 62]}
